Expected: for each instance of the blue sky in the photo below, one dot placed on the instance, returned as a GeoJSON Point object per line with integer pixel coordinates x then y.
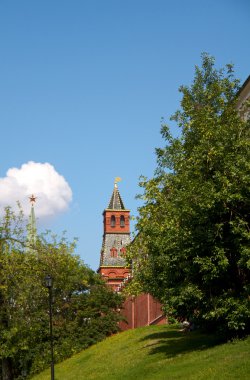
{"type": "Point", "coordinates": [83, 88]}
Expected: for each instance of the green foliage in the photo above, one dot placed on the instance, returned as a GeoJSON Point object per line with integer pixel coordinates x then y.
{"type": "Point", "coordinates": [192, 249]}
{"type": "Point", "coordinates": [84, 309]}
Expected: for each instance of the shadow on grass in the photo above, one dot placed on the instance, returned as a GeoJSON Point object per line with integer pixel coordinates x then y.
{"type": "Point", "coordinates": [176, 342]}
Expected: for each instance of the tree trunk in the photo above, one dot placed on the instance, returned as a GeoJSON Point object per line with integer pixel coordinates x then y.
{"type": "Point", "coordinates": [7, 370]}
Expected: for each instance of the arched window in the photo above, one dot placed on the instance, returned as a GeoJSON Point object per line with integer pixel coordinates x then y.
{"type": "Point", "coordinates": [112, 223]}
{"type": "Point", "coordinates": [122, 221]}
{"type": "Point", "coordinates": [123, 251]}
{"type": "Point", "coordinates": [113, 252]}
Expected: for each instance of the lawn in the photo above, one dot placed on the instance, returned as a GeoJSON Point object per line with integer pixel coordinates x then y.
{"type": "Point", "coordinates": [157, 352]}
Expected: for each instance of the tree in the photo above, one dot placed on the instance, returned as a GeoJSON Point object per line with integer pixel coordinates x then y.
{"type": "Point", "coordinates": [193, 245]}
{"type": "Point", "coordinates": [84, 309]}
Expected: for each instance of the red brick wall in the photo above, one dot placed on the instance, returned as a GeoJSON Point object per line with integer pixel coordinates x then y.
{"type": "Point", "coordinates": [142, 310]}
{"type": "Point", "coordinates": [107, 222]}
{"type": "Point", "coordinates": [114, 275]}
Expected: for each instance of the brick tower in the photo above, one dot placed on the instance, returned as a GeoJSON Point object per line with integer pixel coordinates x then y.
{"type": "Point", "coordinates": [116, 237]}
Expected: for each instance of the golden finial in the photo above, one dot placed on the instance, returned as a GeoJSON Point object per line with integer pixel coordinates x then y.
{"type": "Point", "coordinates": [32, 199]}
{"type": "Point", "coordinates": [117, 179]}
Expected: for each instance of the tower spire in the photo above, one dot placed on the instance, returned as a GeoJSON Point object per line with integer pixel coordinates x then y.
{"type": "Point", "coordinates": [31, 228]}
{"type": "Point", "coordinates": [116, 202]}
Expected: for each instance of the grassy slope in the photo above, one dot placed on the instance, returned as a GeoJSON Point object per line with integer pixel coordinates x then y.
{"type": "Point", "coordinates": [154, 353]}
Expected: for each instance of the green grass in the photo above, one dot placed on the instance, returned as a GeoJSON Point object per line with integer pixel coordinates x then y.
{"type": "Point", "coordinates": [157, 353]}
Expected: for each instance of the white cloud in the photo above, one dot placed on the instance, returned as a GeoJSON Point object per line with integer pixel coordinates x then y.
{"type": "Point", "coordinates": [41, 179]}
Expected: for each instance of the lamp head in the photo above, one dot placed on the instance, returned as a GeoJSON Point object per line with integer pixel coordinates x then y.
{"type": "Point", "coordinates": [48, 281]}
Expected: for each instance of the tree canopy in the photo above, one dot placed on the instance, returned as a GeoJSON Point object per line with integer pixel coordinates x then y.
{"type": "Point", "coordinates": [192, 250]}
{"type": "Point", "coordinates": [84, 309]}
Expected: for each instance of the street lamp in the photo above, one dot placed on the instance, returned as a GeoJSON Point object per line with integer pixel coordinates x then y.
{"type": "Point", "coordinates": [49, 284]}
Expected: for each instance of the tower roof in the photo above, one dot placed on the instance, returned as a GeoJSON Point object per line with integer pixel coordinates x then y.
{"type": "Point", "coordinates": [116, 202]}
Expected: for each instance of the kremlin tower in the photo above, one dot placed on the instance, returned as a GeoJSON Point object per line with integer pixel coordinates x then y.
{"type": "Point", "coordinates": [31, 227]}
{"type": "Point", "coordinates": [116, 236]}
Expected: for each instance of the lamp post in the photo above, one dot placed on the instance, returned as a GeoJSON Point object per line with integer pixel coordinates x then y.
{"type": "Point", "coordinates": [49, 284]}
